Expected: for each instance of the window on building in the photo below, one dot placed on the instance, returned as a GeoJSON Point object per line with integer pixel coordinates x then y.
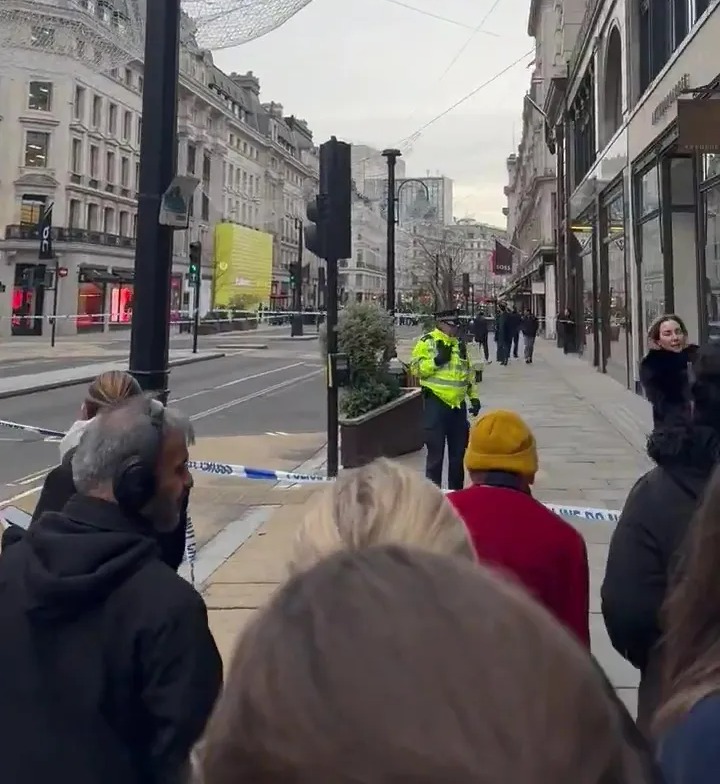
{"type": "Point", "coordinates": [206, 169]}
{"type": "Point", "coordinates": [128, 77]}
{"type": "Point", "coordinates": [612, 88]}
{"type": "Point", "coordinates": [109, 220]}
{"type": "Point", "coordinates": [124, 226]}
{"type": "Point", "coordinates": [191, 158]}
{"type": "Point", "coordinates": [138, 130]}
{"type": "Point", "coordinates": [125, 172]}
{"type": "Point", "coordinates": [137, 176]}
{"type": "Point", "coordinates": [42, 37]}
{"type": "Point", "coordinates": [37, 148]}
{"type": "Point", "coordinates": [74, 216]}
{"type": "Point", "coordinates": [96, 111]}
{"type": "Point", "coordinates": [31, 209]}
{"type": "Point", "coordinates": [94, 161]}
{"type": "Point", "coordinates": [205, 215]}
{"type": "Point", "coordinates": [79, 103]}
{"type": "Point", "coordinates": [93, 217]}
{"type": "Point", "coordinates": [141, 84]}
{"type": "Point", "coordinates": [40, 96]}
{"type": "Point", "coordinates": [112, 119]}
{"type": "Point", "coordinates": [76, 157]}
{"type": "Point", "coordinates": [663, 26]}
{"type": "Point", "coordinates": [110, 167]}
{"type": "Point", "coordinates": [127, 126]}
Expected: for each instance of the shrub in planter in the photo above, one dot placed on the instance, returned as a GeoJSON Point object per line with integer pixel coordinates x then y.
{"type": "Point", "coordinates": [366, 334]}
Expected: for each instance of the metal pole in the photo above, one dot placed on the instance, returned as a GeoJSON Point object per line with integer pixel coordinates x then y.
{"type": "Point", "coordinates": [53, 329]}
{"type": "Point", "coordinates": [150, 338]}
{"type": "Point", "coordinates": [296, 320]}
{"type": "Point", "coordinates": [392, 156]}
{"type": "Point", "coordinates": [196, 312]}
{"type": "Point", "coordinates": [332, 389]}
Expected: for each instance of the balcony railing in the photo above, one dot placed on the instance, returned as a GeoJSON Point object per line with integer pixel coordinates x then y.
{"type": "Point", "coordinates": [78, 236]}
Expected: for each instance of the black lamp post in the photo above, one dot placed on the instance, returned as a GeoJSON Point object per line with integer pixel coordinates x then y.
{"type": "Point", "coordinates": [150, 337]}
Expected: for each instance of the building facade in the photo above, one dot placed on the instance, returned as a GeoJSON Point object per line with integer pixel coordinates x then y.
{"type": "Point", "coordinates": [638, 219]}
{"type": "Point", "coordinates": [71, 138]}
{"type": "Point", "coordinates": [478, 243]}
{"type": "Point", "coordinates": [532, 190]}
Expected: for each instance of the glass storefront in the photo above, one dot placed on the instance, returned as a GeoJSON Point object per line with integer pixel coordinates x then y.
{"type": "Point", "coordinates": [711, 233]}
{"type": "Point", "coordinates": [121, 303]}
{"type": "Point", "coordinates": [649, 247]}
{"type": "Point", "coordinates": [616, 321]}
{"type": "Point", "coordinates": [90, 307]}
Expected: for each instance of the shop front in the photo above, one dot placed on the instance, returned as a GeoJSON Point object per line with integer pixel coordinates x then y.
{"type": "Point", "coordinates": [28, 299]}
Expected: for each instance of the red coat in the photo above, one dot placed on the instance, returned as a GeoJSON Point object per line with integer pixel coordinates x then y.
{"type": "Point", "coordinates": [514, 532]}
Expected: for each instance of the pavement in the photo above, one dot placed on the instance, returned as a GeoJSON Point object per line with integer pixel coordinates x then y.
{"type": "Point", "coordinates": [590, 433]}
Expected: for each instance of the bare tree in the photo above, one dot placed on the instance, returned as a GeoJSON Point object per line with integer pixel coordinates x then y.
{"type": "Point", "coordinates": [439, 265]}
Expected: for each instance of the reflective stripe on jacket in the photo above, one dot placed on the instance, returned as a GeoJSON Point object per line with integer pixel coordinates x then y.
{"type": "Point", "coordinates": [452, 382]}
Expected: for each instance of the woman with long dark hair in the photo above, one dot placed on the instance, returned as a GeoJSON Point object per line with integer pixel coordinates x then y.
{"type": "Point", "coordinates": [688, 721]}
{"type": "Point", "coordinates": [664, 371]}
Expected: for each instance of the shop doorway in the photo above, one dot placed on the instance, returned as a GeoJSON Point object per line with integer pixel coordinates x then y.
{"type": "Point", "coordinates": [28, 299]}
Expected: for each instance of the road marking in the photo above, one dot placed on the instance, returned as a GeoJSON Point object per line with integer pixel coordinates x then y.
{"type": "Point", "coordinates": [252, 396]}
{"type": "Point", "coordinates": [36, 476]}
{"type": "Point", "coordinates": [19, 496]}
{"type": "Point", "coordinates": [235, 381]}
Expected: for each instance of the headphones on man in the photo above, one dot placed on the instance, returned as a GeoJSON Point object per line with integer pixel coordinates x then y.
{"type": "Point", "coordinates": [135, 481]}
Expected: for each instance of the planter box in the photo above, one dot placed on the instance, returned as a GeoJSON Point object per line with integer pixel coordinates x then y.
{"type": "Point", "coordinates": [389, 431]}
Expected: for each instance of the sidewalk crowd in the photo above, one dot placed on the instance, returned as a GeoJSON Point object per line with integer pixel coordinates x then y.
{"type": "Point", "coordinates": [380, 629]}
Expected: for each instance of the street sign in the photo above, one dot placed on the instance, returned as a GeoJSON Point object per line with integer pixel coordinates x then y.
{"type": "Point", "coordinates": [175, 205]}
{"type": "Point", "coordinates": [62, 272]}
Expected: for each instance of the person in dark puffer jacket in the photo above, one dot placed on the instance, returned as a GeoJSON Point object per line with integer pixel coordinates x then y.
{"type": "Point", "coordinates": [665, 370]}
{"type": "Point", "coordinates": [107, 390]}
{"type": "Point", "coordinates": [648, 540]}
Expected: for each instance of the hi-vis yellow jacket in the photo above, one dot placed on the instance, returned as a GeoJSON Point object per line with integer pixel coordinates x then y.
{"type": "Point", "coordinates": [452, 382]}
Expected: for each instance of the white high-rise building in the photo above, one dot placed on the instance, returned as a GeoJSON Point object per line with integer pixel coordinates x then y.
{"type": "Point", "coordinates": [71, 138]}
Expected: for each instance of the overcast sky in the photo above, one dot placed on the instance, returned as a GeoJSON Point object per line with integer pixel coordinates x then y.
{"type": "Point", "coordinates": [373, 72]}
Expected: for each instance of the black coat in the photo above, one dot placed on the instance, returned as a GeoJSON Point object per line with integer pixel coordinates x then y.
{"type": "Point", "coordinates": [665, 378]}
{"type": "Point", "coordinates": [59, 487]}
{"type": "Point", "coordinates": [504, 327]}
{"type": "Point", "coordinates": [530, 325]}
{"type": "Point", "coordinates": [647, 544]}
{"type": "Point", "coordinates": [109, 670]}
{"type": "Point", "coordinates": [480, 328]}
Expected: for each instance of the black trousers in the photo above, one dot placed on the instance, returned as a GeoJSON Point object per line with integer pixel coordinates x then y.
{"type": "Point", "coordinates": [515, 344]}
{"type": "Point", "coordinates": [445, 425]}
{"type": "Point", "coordinates": [483, 343]}
{"type": "Point", "coordinates": [503, 350]}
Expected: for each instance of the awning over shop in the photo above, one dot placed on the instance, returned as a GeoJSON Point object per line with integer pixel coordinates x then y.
{"type": "Point", "coordinates": [88, 274]}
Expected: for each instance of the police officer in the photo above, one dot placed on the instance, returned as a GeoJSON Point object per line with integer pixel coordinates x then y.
{"type": "Point", "coordinates": [440, 361]}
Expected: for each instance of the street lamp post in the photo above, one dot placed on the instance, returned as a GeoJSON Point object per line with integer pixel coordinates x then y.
{"type": "Point", "coordinates": [150, 337]}
{"type": "Point", "coordinates": [392, 156]}
{"type": "Point", "coordinates": [296, 320]}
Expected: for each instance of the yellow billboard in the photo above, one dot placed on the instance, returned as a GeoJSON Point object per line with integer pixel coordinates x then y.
{"type": "Point", "coordinates": [243, 267]}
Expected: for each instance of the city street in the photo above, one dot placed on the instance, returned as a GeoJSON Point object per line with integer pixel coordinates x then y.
{"type": "Point", "coordinates": [248, 393]}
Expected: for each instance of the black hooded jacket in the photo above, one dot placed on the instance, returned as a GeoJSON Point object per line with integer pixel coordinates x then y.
{"type": "Point", "coordinates": [647, 544]}
{"type": "Point", "coordinates": [109, 670]}
{"type": "Point", "coordinates": [665, 378]}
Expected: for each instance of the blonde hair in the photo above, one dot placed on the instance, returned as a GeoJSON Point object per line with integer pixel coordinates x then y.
{"type": "Point", "coordinates": [108, 389]}
{"type": "Point", "coordinates": [381, 503]}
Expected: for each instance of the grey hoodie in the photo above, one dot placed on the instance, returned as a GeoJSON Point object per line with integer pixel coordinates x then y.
{"type": "Point", "coordinates": [72, 438]}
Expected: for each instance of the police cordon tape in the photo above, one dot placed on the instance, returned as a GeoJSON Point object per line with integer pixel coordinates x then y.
{"type": "Point", "coordinates": [269, 475]}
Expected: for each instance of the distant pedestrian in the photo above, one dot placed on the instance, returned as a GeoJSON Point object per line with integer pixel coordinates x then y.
{"type": "Point", "coordinates": [647, 542]}
{"type": "Point", "coordinates": [567, 329]}
{"type": "Point", "coordinates": [516, 321]}
{"type": "Point", "coordinates": [503, 333]}
{"type": "Point", "coordinates": [396, 665]}
{"type": "Point", "coordinates": [107, 390]}
{"type": "Point", "coordinates": [513, 531]}
{"type": "Point", "coordinates": [664, 371]}
{"type": "Point", "coordinates": [687, 725]}
{"type": "Point", "coordinates": [383, 502]}
{"type": "Point", "coordinates": [109, 670]}
{"type": "Point", "coordinates": [529, 326]}
{"type": "Point", "coordinates": [480, 331]}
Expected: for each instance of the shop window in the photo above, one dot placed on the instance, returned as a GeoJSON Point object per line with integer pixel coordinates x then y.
{"type": "Point", "coordinates": [652, 271]}
{"type": "Point", "coordinates": [93, 217]}
{"type": "Point", "coordinates": [649, 192]}
{"type": "Point", "coordinates": [682, 183]}
{"type": "Point", "coordinates": [662, 28]}
{"type": "Point", "coordinates": [40, 96]}
{"type": "Point", "coordinates": [90, 305]}
{"type": "Point", "coordinates": [712, 260]}
{"type": "Point", "coordinates": [74, 214]}
{"type": "Point", "coordinates": [121, 303]}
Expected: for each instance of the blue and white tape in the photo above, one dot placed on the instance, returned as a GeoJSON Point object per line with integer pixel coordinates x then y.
{"type": "Point", "coordinates": [267, 475]}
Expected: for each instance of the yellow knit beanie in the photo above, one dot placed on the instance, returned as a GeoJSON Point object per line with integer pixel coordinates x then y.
{"type": "Point", "coordinates": [501, 441]}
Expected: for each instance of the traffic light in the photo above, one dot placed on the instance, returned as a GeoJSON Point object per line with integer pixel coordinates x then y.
{"type": "Point", "coordinates": [194, 265]}
{"type": "Point", "coordinates": [329, 235]}
{"type": "Point", "coordinates": [293, 273]}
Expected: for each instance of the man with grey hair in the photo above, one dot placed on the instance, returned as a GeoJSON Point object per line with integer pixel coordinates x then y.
{"type": "Point", "coordinates": [110, 668]}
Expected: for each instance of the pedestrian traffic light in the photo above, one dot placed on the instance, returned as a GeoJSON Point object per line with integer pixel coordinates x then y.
{"type": "Point", "coordinates": [194, 264]}
{"type": "Point", "coordinates": [329, 234]}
